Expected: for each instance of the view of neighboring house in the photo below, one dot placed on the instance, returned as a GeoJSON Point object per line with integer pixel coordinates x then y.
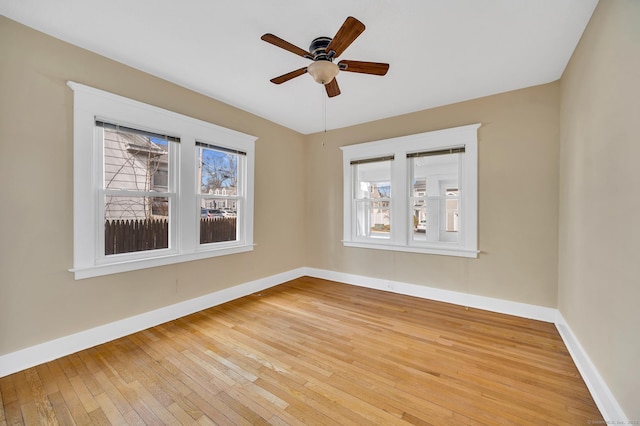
{"type": "Point", "coordinates": [221, 203]}
{"type": "Point", "coordinates": [137, 163]}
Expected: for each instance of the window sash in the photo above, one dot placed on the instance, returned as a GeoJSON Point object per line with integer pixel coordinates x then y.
{"type": "Point", "coordinates": [239, 198]}
{"type": "Point", "coordinates": [372, 218]}
{"type": "Point", "coordinates": [102, 258]}
{"type": "Point", "coordinates": [436, 232]}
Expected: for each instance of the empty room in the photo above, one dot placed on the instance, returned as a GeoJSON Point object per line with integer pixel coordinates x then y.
{"type": "Point", "coordinates": [287, 213]}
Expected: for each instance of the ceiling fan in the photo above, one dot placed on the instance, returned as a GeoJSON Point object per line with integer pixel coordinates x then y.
{"type": "Point", "coordinates": [322, 51]}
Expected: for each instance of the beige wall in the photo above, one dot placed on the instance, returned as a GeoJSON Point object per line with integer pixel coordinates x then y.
{"type": "Point", "coordinates": [518, 199]}
{"type": "Point", "coordinates": [599, 274]}
{"type": "Point", "coordinates": [39, 299]}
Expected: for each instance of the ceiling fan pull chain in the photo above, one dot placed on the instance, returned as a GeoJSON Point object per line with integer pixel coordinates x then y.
{"type": "Point", "coordinates": [324, 112]}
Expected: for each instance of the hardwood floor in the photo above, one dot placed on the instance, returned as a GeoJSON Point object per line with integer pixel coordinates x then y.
{"type": "Point", "coordinates": [313, 352]}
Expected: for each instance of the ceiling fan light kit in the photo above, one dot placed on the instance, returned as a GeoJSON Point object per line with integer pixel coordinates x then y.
{"type": "Point", "coordinates": [323, 71]}
{"type": "Point", "coordinates": [322, 51]}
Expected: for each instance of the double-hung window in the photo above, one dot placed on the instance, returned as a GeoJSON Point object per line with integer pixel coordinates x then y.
{"type": "Point", "coordinates": [414, 193]}
{"type": "Point", "coordinates": [136, 190]}
{"type": "Point", "coordinates": [153, 187]}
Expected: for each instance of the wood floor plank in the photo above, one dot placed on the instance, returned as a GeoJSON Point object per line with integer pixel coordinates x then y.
{"type": "Point", "coordinates": [61, 410]}
{"type": "Point", "coordinates": [183, 417]}
{"type": "Point", "coordinates": [109, 409]}
{"type": "Point", "coordinates": [312, 351]}
{"type": "Point", "coordinates": [155, 406]}
{"type": "Point", "coordinates": [40, 399]}
{"type": "Point", "coordinates": [86, 398]}
{"type": "Point", "coordinates": [69, 395]}
{"type": "Point", "coordinates": [10, 402]}
{"type": "Point", "coordinates": [216, 410]}
{"type": "Point", "coordinates": [30, 413]}
{"type": "Point", "coordinates": [49, 385]}
{"type": "Point", "coordinates": [3, 418]}
{"type": "Point", "coordinates": [98, 417]}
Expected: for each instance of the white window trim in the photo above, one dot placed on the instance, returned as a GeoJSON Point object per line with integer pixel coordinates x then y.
{"type": "Point", "coordinates": [400, 173]}
{"type": "Point", "coordinates": [90, 103]}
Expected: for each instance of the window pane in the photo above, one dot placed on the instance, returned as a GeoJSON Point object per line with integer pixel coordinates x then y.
{"type": "Point", "coordinates": [373, 219]}
{"type": "Point", "coordinates": [215, 228]}
{"type": "Point", "coordinates": [135, 224]}
{"type": "Point", "coordinates": [434, 198]}
{"type": "Point", "coordinates": [372, 180]}
{"type": "Point", "coordinates": [217, 172]}
{"type": "Point", "coordinates": [219, 207]}
{"type": "Point", "coordinates": [135, 162]}
{"type": "Point", "coordinates": [135, 208]}
{"type": "Point", "coordinates": [419, 221]}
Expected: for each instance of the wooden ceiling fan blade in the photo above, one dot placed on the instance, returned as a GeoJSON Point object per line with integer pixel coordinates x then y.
{"type": "Point", "coordinates": [283, 44]}
{"type": "Point", "coordinates": [288, 76]}
{"type": "Point", "coordinates": [347, 33]}
{"type": "Point", "coordinates": [375, 68]}
{"type": "Point", "coordinates": [332, 88]}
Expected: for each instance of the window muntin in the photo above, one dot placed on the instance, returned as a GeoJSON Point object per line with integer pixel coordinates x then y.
{"type": "Point", "coordinates": [433, 207]}
{"type": "Point", "coordinates": [165, 189]}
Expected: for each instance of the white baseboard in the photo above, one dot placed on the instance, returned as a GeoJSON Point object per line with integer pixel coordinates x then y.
{"type": "Point", "coordinates": [54, 349]}
{"type": "Point", "coordinates": [602, 396]}
{"type": "Point", "coordinates": [523, 310]}
{"type": "Point", "coordinates": [44, 352]}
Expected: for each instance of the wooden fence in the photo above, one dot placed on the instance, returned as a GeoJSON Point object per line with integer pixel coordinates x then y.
{"type": "Point", "coordinates": [217, 229]}
{"type": "Point", "coordinates": [126, 236]}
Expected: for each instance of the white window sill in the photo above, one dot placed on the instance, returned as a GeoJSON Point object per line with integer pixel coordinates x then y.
{"type": "Point", "coordinates": [132, 265]}
{"type": "Point", "coordinates": [444, 251]}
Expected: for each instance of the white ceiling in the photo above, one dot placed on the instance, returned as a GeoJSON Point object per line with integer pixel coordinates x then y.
{"type": "Point", "coordinates": [440, 51]}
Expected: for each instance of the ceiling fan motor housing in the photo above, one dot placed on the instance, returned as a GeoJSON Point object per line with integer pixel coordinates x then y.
{"type": "Point", "coordinates": [318, 48]}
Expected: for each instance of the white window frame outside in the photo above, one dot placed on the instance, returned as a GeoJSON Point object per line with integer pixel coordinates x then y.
{"type": "Point", "coordinates": [184, 245]}
{"type": "Point", "coordinates": [401, 214]}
